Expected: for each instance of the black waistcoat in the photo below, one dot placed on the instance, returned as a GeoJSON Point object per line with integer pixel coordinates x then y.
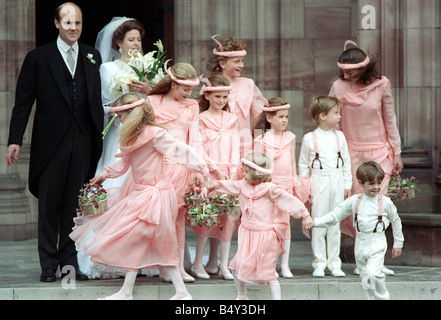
{"type": "Point", "coordinates": [77, 91]}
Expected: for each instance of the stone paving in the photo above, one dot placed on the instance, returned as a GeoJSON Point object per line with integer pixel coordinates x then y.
{"type": "Point", "coordinates": [20, 272]}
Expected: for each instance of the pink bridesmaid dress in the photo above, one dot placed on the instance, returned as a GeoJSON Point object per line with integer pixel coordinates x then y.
{"type": "Point", "coordinates": [220, 140]}
{"type": "Point", "coordinates": [246, 102]}
{"type": "Point", "coordinates": [261, 230]}
{"type": "Point", "coordinates": [181, 119]}
{"type": "Point", "coordinates": [369, 123]}
{"type": "Point", "coordinates": [139, 230]}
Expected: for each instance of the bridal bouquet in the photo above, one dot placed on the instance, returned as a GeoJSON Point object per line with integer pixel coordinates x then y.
{"type": "Point", "coordinates": [141, 67]}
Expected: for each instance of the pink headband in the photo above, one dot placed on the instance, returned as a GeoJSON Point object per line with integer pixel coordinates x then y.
{"type": "Point", "coordinates": [209, 88]}
{"type": "Point", "coordinates": [128, 106]}
{"type": "Point", "coordinates": [256, 167]}
{"type": "Point", "coordinates": [277, 108]}
{"type": "Point", "coordinates": [190, 83]}
{"type": "Point", "coordinates": [228, 54]}
{"type": "Point", "coordinates": [350, 66]}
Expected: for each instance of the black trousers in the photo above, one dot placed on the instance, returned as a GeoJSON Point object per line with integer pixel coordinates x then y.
{"type": "Point", "coordinates": [59, 185]}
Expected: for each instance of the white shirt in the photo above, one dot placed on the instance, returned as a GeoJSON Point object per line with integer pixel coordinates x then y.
{"type": "Point", "coordinates": [367, 216]}
{"type": "Point", "coordinates": [63, 47]}
{"type": "Point", "coordinates": [327, 148]}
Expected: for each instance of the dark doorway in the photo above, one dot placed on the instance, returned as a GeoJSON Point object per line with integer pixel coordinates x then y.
{"type": "Point", "coordinates": [155, 15]}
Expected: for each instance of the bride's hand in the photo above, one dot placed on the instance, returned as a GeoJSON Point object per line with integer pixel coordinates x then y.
{"type": "Point", "coordinates": [140, 87]}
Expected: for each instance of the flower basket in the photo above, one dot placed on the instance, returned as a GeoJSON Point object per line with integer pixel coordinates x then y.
{"type": "Point", "coordinates": [201, 210]}
{"type": "Point", "coordinates": [227, 205]}
{"type": "Point", "coordinates": [208, 217]}
{"type": "Point", "coordinates": [92, 200]}
{"type": "Point", "coordinates": [400, 189]}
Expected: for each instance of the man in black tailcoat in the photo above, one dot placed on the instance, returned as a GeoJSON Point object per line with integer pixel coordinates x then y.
{"type": "Point", "coordinates": [63, 78]}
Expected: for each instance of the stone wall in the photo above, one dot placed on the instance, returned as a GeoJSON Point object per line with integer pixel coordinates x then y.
{"type": "Point", "coordinates": [18, 215]}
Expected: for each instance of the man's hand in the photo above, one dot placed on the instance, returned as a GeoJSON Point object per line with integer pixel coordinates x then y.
{"type": "Point", "coordinates": [12, 155]}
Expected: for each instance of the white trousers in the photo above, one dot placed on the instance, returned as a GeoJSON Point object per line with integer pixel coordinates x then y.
{"type": "Point", "coordinates": [370, 249]}
{"type": "Point", "coordinates": [327, 191]}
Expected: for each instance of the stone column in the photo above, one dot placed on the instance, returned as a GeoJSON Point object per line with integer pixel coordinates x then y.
{"type": "Point", "coordinates": [18, 215]}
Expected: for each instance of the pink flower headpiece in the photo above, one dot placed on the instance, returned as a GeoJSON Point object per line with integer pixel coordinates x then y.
{"type": "Point", "coordinates": [351, 66]}
{"type": "Point", "coordinates": [207, 87]}
{"type": "Point", "coordinates": [190, 83]}
{"type": "Point", "coordinates": [276, 108]}
{"type": "Point", "coordinates": [128, 106]}
{"type": "Point", "coordinates": [228, 54]}
{"type": "Point", "coordinates": [256, 167]}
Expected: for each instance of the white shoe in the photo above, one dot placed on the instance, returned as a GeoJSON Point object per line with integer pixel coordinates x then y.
{"type": "Point", "coordinates": [387, 272]}
{"type": "Point", "coordinates": [178, 297]}
{"type": "Point", "coordinates": [277, 274]}
{"type": "Point", "coordinates": [356, 271]}
{"type": "Point", "coordinates": [214, 270]}
{"type": "Point", "coordinates": [187, 278]}
{"type": "Point", "coordinates": [286, 273]}
{"type": "Point", "coordinates": [318, 273]}
{"type": "Point", "coordinates": [337, 273]}
{"type": "Point", "coordinates": [196, 271]}
{"type": "Point", "coordinates": [226, 274]}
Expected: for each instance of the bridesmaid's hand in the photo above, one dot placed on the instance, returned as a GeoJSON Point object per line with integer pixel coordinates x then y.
{"type": "Point", "coordinates": [98, 180]}
{"type": "Point", "coordinates": [398, 164]}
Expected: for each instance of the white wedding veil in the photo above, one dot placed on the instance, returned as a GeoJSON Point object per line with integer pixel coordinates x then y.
{"type": "Point", "coordinates": [104, 39]}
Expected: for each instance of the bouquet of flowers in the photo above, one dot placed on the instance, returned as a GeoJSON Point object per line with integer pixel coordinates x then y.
{"type": "Point", "coordinates": [201, 211]}
{"type": "Point", "coordinates": [226, 204]}
{"type": "Point", "coordinates": [140, 67]}
{"type": "Point", "coordinates": [92, 200]}
{"type": "Point", "coordinates": [400, 189]}
{"type": "Point", "coordinates": [147, 67]}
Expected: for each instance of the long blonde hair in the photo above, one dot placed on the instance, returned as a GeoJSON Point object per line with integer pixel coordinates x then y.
{"type": "Point", "coordinates": [181, 70]}
{"type": "Point", "coordinates": [136, 120]}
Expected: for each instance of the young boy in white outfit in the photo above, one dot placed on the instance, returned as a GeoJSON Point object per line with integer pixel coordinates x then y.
{"type": "Point", "coordinates": [372, 215]}
{"type": "Point", "coordinates": [324, 157]}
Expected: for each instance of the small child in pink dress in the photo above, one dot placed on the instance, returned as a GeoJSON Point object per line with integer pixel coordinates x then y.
{"type": "Point", "coordinates": [179, 114]}
{"type": "Point", "coordinates": [245, 99]}
{"type": "Point", "coordinates": [280, 146]}
{"type": "Point", "coordinates": [260, 238]}
{"type": "Point", "coordinates": [139, 231]}
{"type": "Point", "coordinates": [219, 133]}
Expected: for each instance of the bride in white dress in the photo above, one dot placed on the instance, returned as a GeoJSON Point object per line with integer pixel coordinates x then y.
{"type": "Point", "coordinates": [114, 42]}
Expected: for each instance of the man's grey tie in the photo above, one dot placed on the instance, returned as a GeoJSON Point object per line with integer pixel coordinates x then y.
{"type": "Point", "coordinates": [70, 59]}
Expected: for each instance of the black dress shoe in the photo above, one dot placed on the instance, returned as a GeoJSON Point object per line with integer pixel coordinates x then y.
{"type": "Point", "coordinates": [79, 276]}
{"type": "Point", "coordinates": [48, 275]}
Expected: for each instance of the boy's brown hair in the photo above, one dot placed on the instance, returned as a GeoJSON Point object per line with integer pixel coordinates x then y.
{"type": "Point", "coordinates": [369, 171]}
{"type": "Point", "coordinates": [323, 104]}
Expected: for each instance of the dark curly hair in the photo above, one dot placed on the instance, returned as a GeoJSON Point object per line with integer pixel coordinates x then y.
{"type": "Point", "coordinates": [356, 55]}
{"type": "Point", "coordinates": [120, 33]}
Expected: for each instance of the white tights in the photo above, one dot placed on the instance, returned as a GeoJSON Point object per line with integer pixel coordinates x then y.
{"type": "Point", "coordinates": [242, 290]}
{"type": "Point", "coordinates": [126, 291]}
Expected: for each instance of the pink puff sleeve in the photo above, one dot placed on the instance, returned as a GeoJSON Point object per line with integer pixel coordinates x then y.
{"type": "Point", "coordinates": [288, 203]}
{"type": "Point", "coordinates": [258, 103]}
{"type": "Point", "coordinates": [180, 152]}
{"type": "Point", "coordinates": [231, 187]}
{"type": "Point", "coordinates": [390, 120]}
{"type": "Point", "coordinates": [118, 168]}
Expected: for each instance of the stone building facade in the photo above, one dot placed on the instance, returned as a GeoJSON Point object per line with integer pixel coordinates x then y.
{"type": "Point", "coordinates": [293, 46]}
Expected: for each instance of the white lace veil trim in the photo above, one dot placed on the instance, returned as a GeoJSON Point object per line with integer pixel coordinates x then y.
{"type": "Point", "coordinates": [104, 39]}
